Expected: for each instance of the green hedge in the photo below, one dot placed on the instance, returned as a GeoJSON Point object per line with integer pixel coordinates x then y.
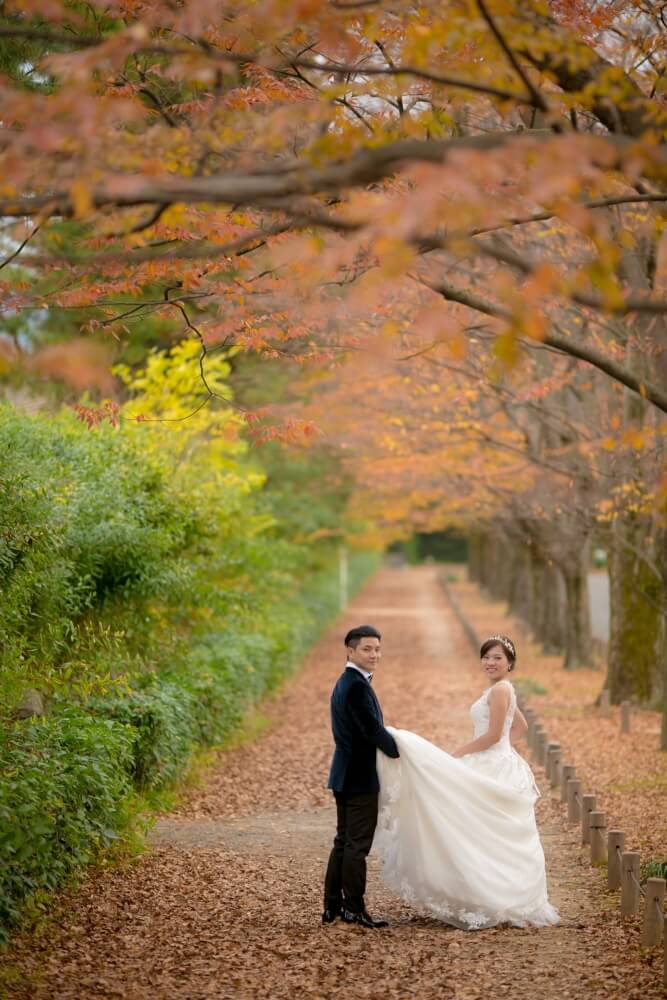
{"type": "Point", "coordinates": [66, 780]}
{"type": "Point", "coordinates": [152, 588]}
{"type": "Point", "coordinates": [199, 703]}
{"type": "Point", "coordinates": [85, 520]}
{"type": "Point", "coordinates": [63, 794]}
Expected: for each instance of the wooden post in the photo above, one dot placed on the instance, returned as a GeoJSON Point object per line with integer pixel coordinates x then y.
{"type": "Point", "coordinates": [625, 716]}
{"type": "Point", "coordinates": [664, 949]}
{"type": "Point", "coordinates": [537, 734]}
{"type": "Point", "coordinates": [615, 845]}
{"type": "Point", "coordinates": [629, 883]}
{"type": "Point", "coordinates": [343, 578]}
{"type": "Point", "coordinates": [538, 731]}
{"type": "Point", "coordinates": [587, 807]}
{"type": "Point", "coordinates": [531, 719]}
{"type": "Point", "coordinates": [548, 758]}
{"type": "Point", "coordinates": [567, 771]}
{"type": "Point", "coordinates": [573, 800]}
{"type": "Point", "coordinates": [598, 828]}
{"type": "Point", "coordinates": [605, 704]}
{"type": "Point", "coordinates": [554, 767]}
{"type": "Point", "coordinates": [653, 912]}
{"type": "Point", "coordinates": [542, 749]}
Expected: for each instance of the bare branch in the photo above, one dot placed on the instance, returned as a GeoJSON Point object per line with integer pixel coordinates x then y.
{"type": "Point", "coordinates": [21, 246]}
{"type": "Point", "coordinates": [582, 352]}
{"type": "Point", "coordinates": [536, 97]}
{"type": "Point", "coordinates": [595, 203]}
{"type": "Point", "coordinates": [253, 240]}
{"type": "Point", "coordinates": [622, 307]}
{"type": "Point", "coordinates": [154, 217]}
{"type": "Point", "coordinates": [241, 58]}
{"type": "Point", "coordinates": [360, 169]}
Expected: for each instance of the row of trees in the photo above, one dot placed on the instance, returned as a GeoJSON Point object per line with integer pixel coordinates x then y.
{"type": "Point", "coordinates": [449, 216]}
{"type": "Point", "coordinates": [537, 471]}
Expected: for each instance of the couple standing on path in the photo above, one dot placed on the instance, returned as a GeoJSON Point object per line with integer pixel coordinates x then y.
{"type": "Point", "coordinates": [456, 832]}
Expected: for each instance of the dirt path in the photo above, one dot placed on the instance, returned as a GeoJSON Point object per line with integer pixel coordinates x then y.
{"type": "Point", "coordinates": [228, 902]}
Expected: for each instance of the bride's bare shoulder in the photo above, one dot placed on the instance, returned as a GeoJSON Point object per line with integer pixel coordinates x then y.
{"type": "Point", "coordinates": [501, 689]}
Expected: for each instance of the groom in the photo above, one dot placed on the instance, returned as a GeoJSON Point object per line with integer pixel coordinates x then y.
{"type": "Point", "coordinates": [358, 730]}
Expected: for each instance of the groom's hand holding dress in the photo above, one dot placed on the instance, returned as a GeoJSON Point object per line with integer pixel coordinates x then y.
{"type": "Point", "coordinates": [358, 731]}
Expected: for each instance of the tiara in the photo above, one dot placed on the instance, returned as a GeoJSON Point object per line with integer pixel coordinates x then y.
{"type": "Point", "coordinates": [504, 641]}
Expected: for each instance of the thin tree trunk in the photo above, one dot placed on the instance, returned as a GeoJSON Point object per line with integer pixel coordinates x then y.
{"type": "Point", "coordinates": [548, 616]}
{"type": "Point", "coordinates": [578, 643]}
{"type": "Point", "coordinates": [474, 556]}
{"type": "Point", "coordinates": [637, 597]}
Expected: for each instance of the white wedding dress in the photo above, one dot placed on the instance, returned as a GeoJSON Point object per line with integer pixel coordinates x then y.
{"type": "Point", "coordinates": [457, 837]}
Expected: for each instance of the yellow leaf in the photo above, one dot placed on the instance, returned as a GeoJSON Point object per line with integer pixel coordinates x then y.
{"type": "Point", "coordinates": [81, 198]}
{"type": "Point", "coordinates": [505, 348]}
{"type": "Point", "coordinates": [635, 438]}
{"type": "Point", "coordinates": [395, 256]}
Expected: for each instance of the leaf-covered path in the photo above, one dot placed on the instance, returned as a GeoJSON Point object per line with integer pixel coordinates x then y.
{"type": "Point", "coordinates": [228, 902]}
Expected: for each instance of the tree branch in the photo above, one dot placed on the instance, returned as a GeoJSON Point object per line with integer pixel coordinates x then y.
{"type": "Point", "coordinates": [595, 203]}
{"type": "Point", "coordinates": [360, 169]}
{"type": "Point", "coordinates": [617, 101]}
{"type": "Point", "coordinates": [615, 370]}
{"type": "Point", "coordinates": [21, 247]}
{"type": "Point", "coordinates": [623, 307]}
{"type": "Point", "coordinates": [536, 98]}
{"type": "Point", "coordinates": [241, 58]}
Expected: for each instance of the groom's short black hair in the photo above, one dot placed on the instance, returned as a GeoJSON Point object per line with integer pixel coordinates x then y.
{"type": "Point", "coordinates": [355, 635]}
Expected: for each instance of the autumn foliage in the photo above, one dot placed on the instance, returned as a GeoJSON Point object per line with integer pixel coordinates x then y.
{"type": "Point", "coordinates": [448, 218]}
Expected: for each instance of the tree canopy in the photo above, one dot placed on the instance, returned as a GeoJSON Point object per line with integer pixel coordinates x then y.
{"type": "Point", "coordinates": [447, 218]}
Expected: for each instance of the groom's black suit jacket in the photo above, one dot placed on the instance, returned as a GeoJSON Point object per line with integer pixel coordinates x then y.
{"type": "Point", "coordinates": [358, 731]}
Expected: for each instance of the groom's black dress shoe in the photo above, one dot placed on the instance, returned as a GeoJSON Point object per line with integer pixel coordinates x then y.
{"type": "Point", "coordinates": [363, 918]}
{"type": "Point", "coordinates": [329, 916]}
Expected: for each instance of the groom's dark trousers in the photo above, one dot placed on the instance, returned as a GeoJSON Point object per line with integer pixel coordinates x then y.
{"type": "Point", "coordinates": [358, 730]}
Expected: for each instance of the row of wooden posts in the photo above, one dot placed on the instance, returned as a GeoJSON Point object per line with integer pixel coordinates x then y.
{"type": "Point", "coordinates": [606, 846]}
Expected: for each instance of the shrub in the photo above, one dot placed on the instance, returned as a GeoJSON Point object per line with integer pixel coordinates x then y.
{"type": "Point", "coordinates": [84, 518]}
{"type": "Point", "coordinates": [163, 722]}
{"type": "Point", "coordinates": [63, 792]}
{"type": "Point", "coordinates": [152, 596]}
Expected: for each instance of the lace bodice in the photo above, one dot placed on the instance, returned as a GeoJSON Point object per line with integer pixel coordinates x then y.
{"type": "Point", "coordinates": [480, 715]}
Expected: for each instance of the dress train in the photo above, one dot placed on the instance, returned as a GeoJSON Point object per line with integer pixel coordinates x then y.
{"type": "Point", "coordinates": [458, 837]}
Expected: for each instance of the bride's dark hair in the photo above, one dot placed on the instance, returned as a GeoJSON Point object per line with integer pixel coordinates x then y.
{"type": "Point", "coordinates": [500, 640]}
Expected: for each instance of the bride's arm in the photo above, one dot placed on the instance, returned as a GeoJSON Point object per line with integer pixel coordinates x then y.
{"type": "Point", "coordinates": [519, 726]}
{"type": "Point", "coordinates": [499, 703]}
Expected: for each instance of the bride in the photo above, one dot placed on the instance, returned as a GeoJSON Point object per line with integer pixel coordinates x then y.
{"type": "Point", "coordinates": [457, 832]}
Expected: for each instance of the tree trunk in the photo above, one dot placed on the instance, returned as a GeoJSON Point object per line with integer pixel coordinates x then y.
{"type": "Point", "coordinates": [484, 556]}
{"type": "Point", "coordinates": [475, 556]}
{"type": "Point", "coordinates": [661, 658]}
{"type": "Point", "coordinates": [494, 565]}
{"type": "Point", "coordinates": [518, 595]}
{"type": "Point", "coordinates": [549, 619]}
{"type": "Point", "coordinates": [578, 643]}
{"type": "Point", "coordinates": [637, 592]}
{"type": "Point", "coordinates": [636, 625]}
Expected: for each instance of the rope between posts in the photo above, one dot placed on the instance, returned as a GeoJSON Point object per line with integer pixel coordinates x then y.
{"type": "Point", "coordinates": [639, 886]}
